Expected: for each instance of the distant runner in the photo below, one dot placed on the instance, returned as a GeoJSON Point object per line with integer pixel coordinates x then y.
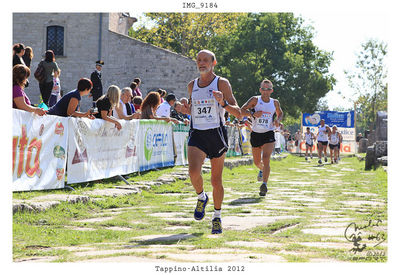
{"type": "Point", "coordinates": [322, 138]}
{"type": "Point", "coordinates": [262, 136]}
{"type": "Point", "coordinates": [309, 138]}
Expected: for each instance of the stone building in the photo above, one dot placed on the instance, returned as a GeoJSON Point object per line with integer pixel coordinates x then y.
{"type": "Point", "coordinates": [79, 39]}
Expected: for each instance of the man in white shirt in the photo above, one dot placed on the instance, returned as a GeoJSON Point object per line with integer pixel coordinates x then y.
{"type": "Point", "coordinates": [124, 110]}
{"type": "Point", "coordinates": [164, 110]}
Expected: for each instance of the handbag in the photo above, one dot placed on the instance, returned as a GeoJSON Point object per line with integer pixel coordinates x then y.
{"type": "Point", "coordinates": [39, 73]}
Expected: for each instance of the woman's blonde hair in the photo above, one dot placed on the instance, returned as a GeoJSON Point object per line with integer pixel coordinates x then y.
{"type": "Point", "coordinates": [113, 94]}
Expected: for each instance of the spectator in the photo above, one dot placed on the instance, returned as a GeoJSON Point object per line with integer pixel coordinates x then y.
{"type": "Point", "coordinates": [164, 110]}
{"type": "Point", "coordinates": [18, 52]}
{"type": "Point", "coordinates": [20, 99]}
{"type": "Point", "coordinates": [359, 136]}
{"type": "Point", "coordinates": [68, 105]}
{"type": "Point", "coordinates": [136, 91]}
{"type": "Point", "coordinates": [55, 93]}
{"type": "Point", "coordinates": [162, 93]}
{"type": "Point", "coordinates": [297, 141]}
{"type": "Point", "coordinates": [133, 87]}
{"type": "Point", "coordinates": [50, 66]}
{"type": "Point", "coordinates": [137, 102]}
{"type": "Point", "coordinates": [176, 113]}
{"type": "Point", "coordinates": [149, 106]}
{"type": "Point", "coordinates": [95, 77]}
{"type": "Point", "coordinates": [185, 107]}
{"type": "Point", "coordinates": [28, 56]}
{"type": "Point", "coordinates": [124, 110]}
{"type": "Point", "coordinates": [106, 103]}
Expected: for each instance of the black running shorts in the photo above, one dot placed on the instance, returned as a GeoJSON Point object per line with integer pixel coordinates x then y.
{"type": "Point", "coordinates": [309, 145]}
{"type": "Point", "coordinates": [332, 146]}
{"type": "Point", "coordinates": [213, 142]}
{"type": "Point", "coordinates": [323, 142]}
{"type": "Point", "coordinates": [259, 139]}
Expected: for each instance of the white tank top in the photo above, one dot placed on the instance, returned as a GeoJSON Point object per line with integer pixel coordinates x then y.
{"type": "Point", "coordinates": [334, 139]}
{"type": "Point", "coordinates": [322, 136]}
{"type": "Point", "coordinates": [309, 138]}
{"type": "Point", "coordinates": [206, 113]}
{"type": "Point", "coordinates": [264, 123]}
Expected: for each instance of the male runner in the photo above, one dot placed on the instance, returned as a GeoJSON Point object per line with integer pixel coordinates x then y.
{"type": "Point", "coordinates": [262, 136]}
{"type": "Point", "coordinates": [322, 139]}
{"type": "Point", "coordinates": [209, 97]}
{"type": "Point", "coordinates": [309, 137]}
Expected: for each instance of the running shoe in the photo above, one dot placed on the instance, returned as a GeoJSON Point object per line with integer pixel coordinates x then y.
{"type": "Point", "coordinates": [326, 159]}
{"type": "Point", "coordinates": [320, 161]}
{"type": "Point", "coordinates": [216, 226]}
{"type": "Point", "coordinates": [259, 177]}
{"type": "Point", "coordinates": [306, 158]}
{"type": "Point", "coordinates": [200, 210]}
{"type": "Point", "coordinates": [311, 157]}
{"type": "Point", "coordinates": [263, 189]}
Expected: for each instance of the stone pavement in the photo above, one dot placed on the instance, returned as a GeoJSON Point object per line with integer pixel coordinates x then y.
{"type": "Point", "coordinates": [288, 207]}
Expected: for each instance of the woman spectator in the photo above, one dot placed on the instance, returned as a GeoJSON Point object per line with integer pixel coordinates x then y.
{"type": "Point", "coordinates": [162, 93]}
{"type": "Point", "coordinates": [68, 104]}
{"type": "Point", "coordinates": [136, 91]}
{"type": "Point", "coordinates": [28, 56]}
{"type": "Point", "coordinates": [20, 99]}
{"type": "Point", "coordinates": [149, 106]}
{"type": "Point", "coordinates": [50, 66]}
{"type": "Point", "coordinates": [106, 103]}
{"type": "Point", "coordinates": [18, 52]}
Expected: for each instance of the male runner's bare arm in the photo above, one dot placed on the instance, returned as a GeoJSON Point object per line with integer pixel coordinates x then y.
{"type": "Point", "coordinates": [226, 89]}
{"type": "Point", "coordinates": [188, 106]}
{"type": "Point", "coordinates": [279, 113]}
{"type": "Point", "coordinates": [250, 104]}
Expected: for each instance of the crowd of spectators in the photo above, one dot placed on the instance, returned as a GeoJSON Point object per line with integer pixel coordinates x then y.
{"type": "Point", "coordinates": [127, 103]}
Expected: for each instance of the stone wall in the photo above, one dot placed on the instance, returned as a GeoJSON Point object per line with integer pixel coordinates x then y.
{"type": "Point", "coordinates": [125, 58]}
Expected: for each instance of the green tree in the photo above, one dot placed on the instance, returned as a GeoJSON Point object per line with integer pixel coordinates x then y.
{"type": "Point", "coordinates": [185, 33]}
{"type": "Point", "coordinates": [279, 47]}
{"type": "Point", "coordinates": [369, 82]}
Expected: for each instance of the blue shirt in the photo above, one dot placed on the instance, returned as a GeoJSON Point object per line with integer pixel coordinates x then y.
{"type": "Point", "coordinates": [61, 107]}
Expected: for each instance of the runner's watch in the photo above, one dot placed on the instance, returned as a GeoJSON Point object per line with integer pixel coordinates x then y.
{"type": "Point", "coordinates": [225, 103]}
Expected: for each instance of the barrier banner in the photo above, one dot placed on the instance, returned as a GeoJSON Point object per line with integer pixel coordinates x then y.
{"type": "Point", "coordinates": [180, 137]}
{"type": "Point", "coordinates": [233, 142]}
{"type": "Point", "coordinates": [39, 151]}
{"type": "Point", "coordinates": [98, 150]}
{"type": "Point", "coordinates": [154, 144]}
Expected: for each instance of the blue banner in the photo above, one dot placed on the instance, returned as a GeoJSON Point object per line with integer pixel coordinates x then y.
{"type": "Point", "coordinates": [340, 119]}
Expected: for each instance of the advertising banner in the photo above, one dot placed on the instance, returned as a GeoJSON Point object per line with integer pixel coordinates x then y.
{"type": "Point", "coordinates": [98, 150]}
{"type": "Point", "coordinates": [155, 144]}
{"type": "Point", "coordinates": [346, 147]}
{"type": "Point", "coordinates": [340, 119]}
{"type": "Point", "coordinates": [180, 137]}
{"type": "Point", "coordinates": [246, 146]}
{"type": "Point", "coordinates": [39, 151]}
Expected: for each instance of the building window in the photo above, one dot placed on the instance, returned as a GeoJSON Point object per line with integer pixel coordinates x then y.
{"type": "Point", "coordinates": [55, 39]}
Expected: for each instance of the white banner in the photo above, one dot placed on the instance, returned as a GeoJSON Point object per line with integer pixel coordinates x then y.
{"type": "Point", "coordinates": [346, 147]}
{"type": "Point", "coordinates": [39, 151]}
{"type": "Point", "coordinates": [98, 150]}
{"type": "Point", "coordinates": [181, 134]}
{"type": "Point", "coordinates": [155, 144]}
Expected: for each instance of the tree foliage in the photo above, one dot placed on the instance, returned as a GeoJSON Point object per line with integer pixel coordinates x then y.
{"type": "Point", "coordinates": [250, 47]}
{"type": "Point", "coordinates": [369, 81]}
{"type": "Point", "coordinates": [275, 46]}
{"type": "Point", "coordinates": [185, 33]}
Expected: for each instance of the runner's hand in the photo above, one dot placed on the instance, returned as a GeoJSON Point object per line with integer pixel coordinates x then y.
{"type": "Point", "coordinates": [219, 96]}
{"type": "Point", "coordinates": [258, 114]}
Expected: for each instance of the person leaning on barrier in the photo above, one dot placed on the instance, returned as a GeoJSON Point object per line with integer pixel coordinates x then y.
{"type": "Point", "coordinates": [68, 105]}
{"type": "Point", "coordinates": [149, 106]}
{"type": "Point", "coordinates": [106, 103]}
{"type": "Point", "coordinates": [20, 99]}
{"type": "Point", "coordinates": [124, 110]}
{"type": "Point", "coordinates": [176, 113]}
{"type": "Point", "coordinates": [137, 102]}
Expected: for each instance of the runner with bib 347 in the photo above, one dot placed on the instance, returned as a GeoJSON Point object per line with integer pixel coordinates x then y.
{"type": "Point", "coordinates": [210, 96]}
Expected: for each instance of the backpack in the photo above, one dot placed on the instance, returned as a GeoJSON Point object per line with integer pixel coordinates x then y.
{"type": "Point", "coordinates": [39, 73]}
